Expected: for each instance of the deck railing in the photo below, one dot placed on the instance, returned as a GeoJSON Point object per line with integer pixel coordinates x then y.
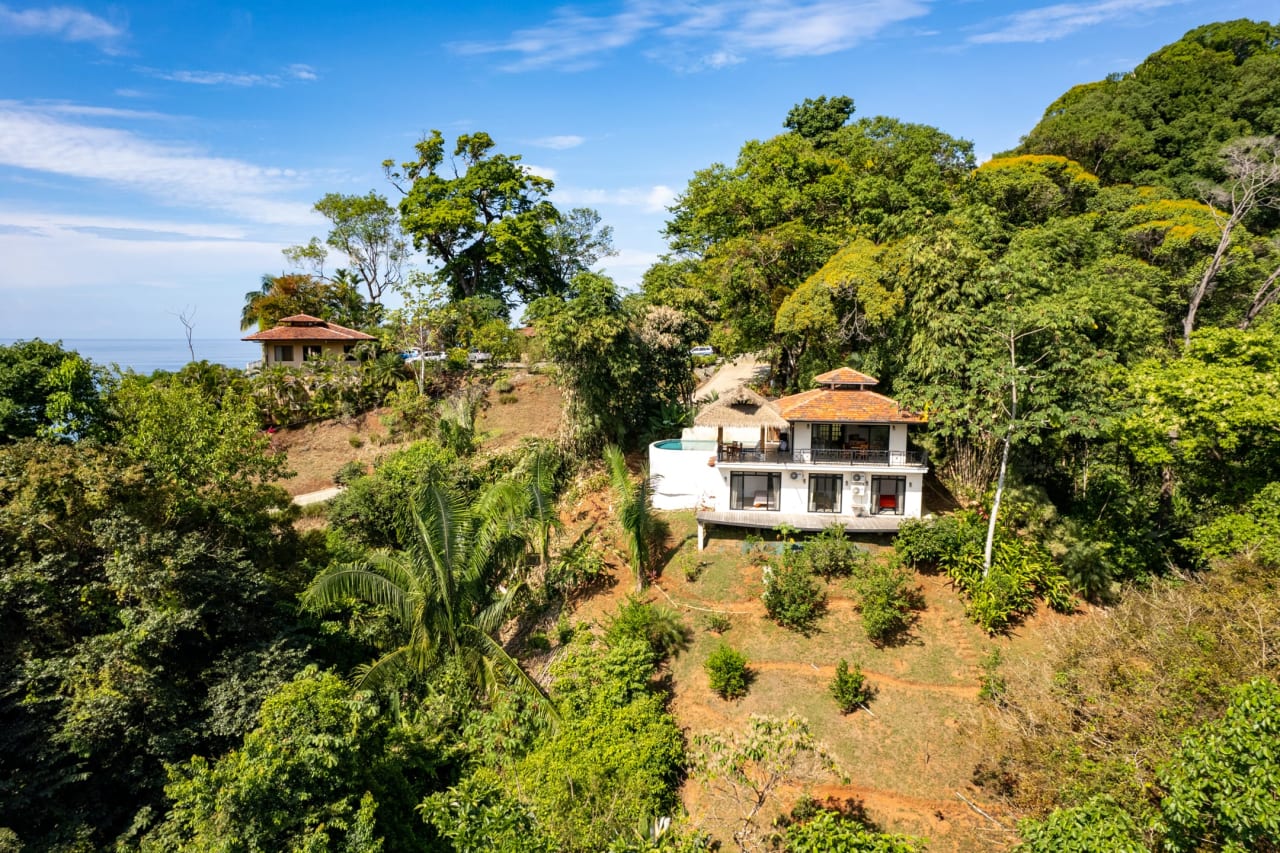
{"type": "Point", "coordinates": [824, 456]}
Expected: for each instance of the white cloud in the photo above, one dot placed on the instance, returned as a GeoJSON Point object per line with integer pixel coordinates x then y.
{"type": "Point", "coordinates": [628, 266]}
{"type": "Point", "coordinates": [558, 143]}
{"type": "Point", "coordinates": [55, 224]}
{"type": "Point", "coordinates": [693, 36]}
{"type": "Point", "coordinates": [652, 200]}
{"type": "Point", "coordinates": [541, 171]}
{"type": "Point", "coordinates": [238, 79]}
{"type": "Point", "coordinates": [1054, 22]}
{"type": "Point", "coordinates": [64, 108]}
{"type": "Point", "coordinates": [175, 175]}
{"type": "Point", "coordinates": [298, 71]}
{"type": "Point", "coordinates": [61, 22]}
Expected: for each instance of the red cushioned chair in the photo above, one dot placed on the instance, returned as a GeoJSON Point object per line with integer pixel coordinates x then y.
{"type": "Point", "coordinates": [889, 502]}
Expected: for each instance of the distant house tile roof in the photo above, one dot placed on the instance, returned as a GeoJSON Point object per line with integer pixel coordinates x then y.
{"type": "Point", "coordinates": [304, 327]}
{"type": "Point", "coordinates": [844, 405]}
{"type": "Point", "coordinates": [844, 376]}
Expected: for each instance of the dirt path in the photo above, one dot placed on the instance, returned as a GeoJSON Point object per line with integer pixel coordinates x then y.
{"type": "Point", "coordinates": [744, 368]}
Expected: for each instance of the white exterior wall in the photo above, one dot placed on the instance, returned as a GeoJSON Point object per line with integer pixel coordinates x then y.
{"type": "Point", "coordinates": [681, 479]}
{"type": "Point", "coordinates": [794, 497]}
{"type": "Point", "coordinates": [898, 438]}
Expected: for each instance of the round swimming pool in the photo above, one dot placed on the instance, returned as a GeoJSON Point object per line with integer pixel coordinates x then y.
{"type": "Point", "coordinates": [685, 444]}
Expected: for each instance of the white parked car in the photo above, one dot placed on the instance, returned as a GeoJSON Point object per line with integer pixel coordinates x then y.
{"type": "Point", "coordinates": [702, 351]}
{"type": "Point", "coordinates": [477, 357]}
{"type": "Point", "coordinates": [414, 355]}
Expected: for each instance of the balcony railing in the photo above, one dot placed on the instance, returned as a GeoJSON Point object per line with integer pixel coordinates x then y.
{"type": "Point", "coordinates": [833, 456]}
{"type": "Point", "coordinates": [824, 456]}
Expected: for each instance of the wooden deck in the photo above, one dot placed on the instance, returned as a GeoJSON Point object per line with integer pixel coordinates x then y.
{"type": "Point", "coordinates": [801, 521]}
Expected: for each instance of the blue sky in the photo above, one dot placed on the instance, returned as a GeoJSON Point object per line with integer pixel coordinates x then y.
{"type": "Point", "coordinates": [156, 157]}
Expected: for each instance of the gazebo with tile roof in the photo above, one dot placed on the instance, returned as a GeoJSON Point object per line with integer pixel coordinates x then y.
{"type": "Point", "coordinates": [302, 337]}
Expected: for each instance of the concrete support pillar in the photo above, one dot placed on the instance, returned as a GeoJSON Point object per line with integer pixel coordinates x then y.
{"type": "Point", "coordinates": [702, 536]}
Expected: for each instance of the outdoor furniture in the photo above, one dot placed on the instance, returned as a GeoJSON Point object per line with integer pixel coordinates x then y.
{"type": "Point", "coordinates": [760, 500]}
{"type": "Point", "coordinates": [888, 502]}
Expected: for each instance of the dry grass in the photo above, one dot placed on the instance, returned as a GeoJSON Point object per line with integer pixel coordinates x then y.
{"type": "Point", "coordinates": [909, 755]}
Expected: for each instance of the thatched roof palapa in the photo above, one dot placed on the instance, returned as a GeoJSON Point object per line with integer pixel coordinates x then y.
{"type": "Point", "coordinates": [741, 408]}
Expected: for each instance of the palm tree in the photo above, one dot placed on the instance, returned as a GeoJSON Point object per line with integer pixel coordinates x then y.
{"type": "Point", "coordinates": [526, 499]}
{"type": "Point", "coordinates": [634, 511]}
{"type": "Point", "coordinates": [442, 590]}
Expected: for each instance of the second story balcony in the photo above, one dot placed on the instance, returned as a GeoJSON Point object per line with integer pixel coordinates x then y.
{"type": "Point", "coordinates": [771, 455]}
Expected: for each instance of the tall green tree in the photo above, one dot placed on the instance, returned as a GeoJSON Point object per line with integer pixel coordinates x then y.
{"type": "Point", "coordinates": [485, 224]}
{"type": "Point", "coordinates": [48, 391]}
{"type": "Point", "coordinates": [322, 770]}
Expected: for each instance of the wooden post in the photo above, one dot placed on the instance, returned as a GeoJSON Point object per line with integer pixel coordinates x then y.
{"type": "Point", "coordinates": [702, 536]}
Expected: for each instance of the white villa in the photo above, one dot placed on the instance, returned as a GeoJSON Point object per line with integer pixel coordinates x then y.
{"type": "Point", "coordinates": [837, 454]}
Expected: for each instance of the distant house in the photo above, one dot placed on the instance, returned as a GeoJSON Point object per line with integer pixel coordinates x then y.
{"type": "Point", "coordinates": [302, 338]}
{"type": "Point", "coordinates": [837, 454]}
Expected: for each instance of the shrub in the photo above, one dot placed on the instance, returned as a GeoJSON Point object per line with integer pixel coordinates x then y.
{"type": "Point", "coordinates": [507, 399]}
{"type": "Point", "coordinates": [791, 596]}
{"type": "Point", "coordinates": [1220, 787]}
{"type": "Point", "coordinates": [1020, 571]}
{"type": "Point", "coordinates": [828, 830]}
{"type": "Point", "coordinates": [350, 472]}
{"type": "Point", "coordinates": [939, 543]}
{"type": "Point", "coordinates": [503, 386]}
{"type": "Point", "coordinates": [538, 642]}
{"type": "Point", "coordinates": [564, 630]}
{"type": "Point", "coordinates": [355, 441]}
{"type": "Point", "coordinates": [991, 682]}
{"type": "Point", "coordinates": [578, 567]}
{"type": "Point", "coordinates": [850, 688]}
{"type": "Point", "coordinates": [1098, 824]}
{"type": "Point", "coordinates": [718, 623]}
{"type": "Point", "coordinates": [886, 596]}
{"type": "Point", "coordinates": [659, 627]}
{"type": "Point", "coordinates": [830, 554]}
{"type": "Point", "coordinates": [727, 672]}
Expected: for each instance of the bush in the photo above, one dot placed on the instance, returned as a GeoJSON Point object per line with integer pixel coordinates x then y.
{"type": "Point", "coordinates": [503, 386]}
{"type": "Point", "coordinates": [727, 672]}
{"type": "Point", "coordinates": [538, 642]}
{"type": "Point", "coordinates": [565, 630]}
{"type": "Point", "coordinates": [350, 472]}
{"type": "Point", "coordinates": [886, 596]}
{"type": "Point", "coordinates": [850, 689]}
{"type": "Point", "coordinates": [578, 567]}
{"type": "Point", "coordinates": [1098, 824]}
{"type": "Point", "coordinates": [659, 627]}
{"type": "Point", "coordinates": [718, 623]}
{"type": "Point", "coordinates": [830, 554]}
{"type": "Point", "coordinates": [991, 682]}
{"type": "Point", "coordinates": [791, 596]}
{"type": "Point", "coordinates": [507, 399]}
{"type": "Point", "coordinates": [1020, 571]}
{"type": "Point", "coordinates": [355, 441]}
{"type": "Point", "coordinates": [939, 543]}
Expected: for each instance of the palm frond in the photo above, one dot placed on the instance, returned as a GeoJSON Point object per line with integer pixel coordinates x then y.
{"type": "Point", "coordinates": [340, 582]}
{"type": "Point", "coordinates": [499, 659]}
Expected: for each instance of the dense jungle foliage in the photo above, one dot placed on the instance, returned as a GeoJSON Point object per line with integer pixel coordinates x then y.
{"type": "Point", "coordinates": [184, 668]}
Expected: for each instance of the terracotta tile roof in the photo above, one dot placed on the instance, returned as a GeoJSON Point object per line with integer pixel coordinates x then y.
{"type": "Point", "coordinates": [844, 376]}
{"type": "Point", "coordinates": [304, 327]}
{"type": "Point", "coordinates": [844, 405]}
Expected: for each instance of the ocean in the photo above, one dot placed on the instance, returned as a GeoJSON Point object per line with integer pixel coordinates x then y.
{"type": "Point", "coordinates": [146, 355]}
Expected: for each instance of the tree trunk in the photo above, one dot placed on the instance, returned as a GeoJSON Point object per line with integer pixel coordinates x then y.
{"type": "Point", "coordinates": [1206, 281]}
{"type": "Point", "coordinates": [995, 509]}
{"type": "Point", "coordinates": [1265, 296]}
{"type": "Point", "coordinates": [1004, 454]}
